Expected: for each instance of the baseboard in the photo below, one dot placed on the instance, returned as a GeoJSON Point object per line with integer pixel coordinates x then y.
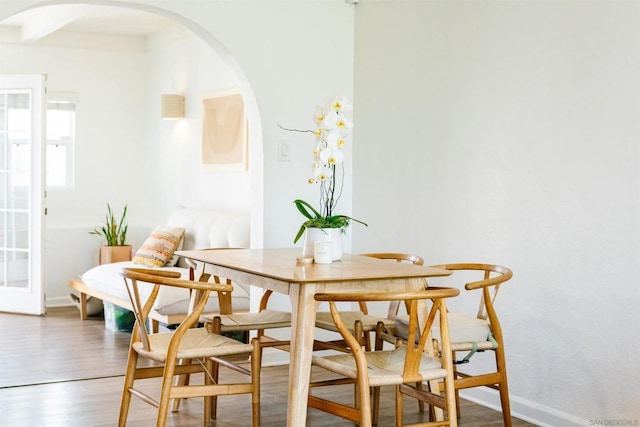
{"type": "Point", "coordinates": [524, 409]}
{"type": "Point", "coordinates": [58, 302]}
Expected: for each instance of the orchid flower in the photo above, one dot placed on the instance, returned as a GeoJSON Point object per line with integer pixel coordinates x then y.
{"type": "Point", "coordinates": [341, 104]}
{"type": "Point", "coordinates": [331, 131]}
{"type": "Point", "coordinates": [320, 172]}
{"type": "Point", "coordinates": [331, 156]}
{"type": "Point", "coordinates": [319, 115]}
{"type": "Point", "coordinates": [337, 121]}
{"type": "Point", "coordinates": [333, 138]}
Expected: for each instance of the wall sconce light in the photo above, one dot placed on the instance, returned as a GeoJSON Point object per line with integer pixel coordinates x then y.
{"type": "Point", "coordinates": [172, 107]}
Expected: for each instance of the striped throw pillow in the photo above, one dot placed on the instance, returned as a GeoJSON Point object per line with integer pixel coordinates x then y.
{"type": "Point", "coordinates": [159, 246]}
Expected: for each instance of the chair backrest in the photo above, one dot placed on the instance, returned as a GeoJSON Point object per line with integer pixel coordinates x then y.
{"type": "Point", "coordinates": [417, 336]}
{"type": "Point", "coordinates": [141, 309]}
{"type": "Point", "coordinates": [397, 256]}
{"type": "Point", "coordinates": [492, 277]}
{"type": "Point", "coordinates": [394, 306]}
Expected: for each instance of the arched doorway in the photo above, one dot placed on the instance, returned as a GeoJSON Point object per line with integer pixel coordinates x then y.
{"type": "Point", "coordinates": [255, 132]}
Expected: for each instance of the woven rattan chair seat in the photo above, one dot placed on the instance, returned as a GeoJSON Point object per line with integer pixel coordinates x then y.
{"type": "Point", "coordinates": [324, 320]}
{"type": "Point", "coordinates": [266, 319]}
{"type": "Point", "coordinates": [384, 367]}
{"type": "Point", "coordinates": [196, 343]}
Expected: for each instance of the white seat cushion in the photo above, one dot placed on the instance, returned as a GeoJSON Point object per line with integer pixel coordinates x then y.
{"type": "Point", "coordinates": [106, 279]}
{"type": "Point", "coordinates": [462, 328]}
{"type": "Point", "coordinates": [202, 229]}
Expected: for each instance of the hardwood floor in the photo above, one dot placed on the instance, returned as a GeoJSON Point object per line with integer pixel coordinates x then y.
{"type": "Point", "coordinates": [59, 371]}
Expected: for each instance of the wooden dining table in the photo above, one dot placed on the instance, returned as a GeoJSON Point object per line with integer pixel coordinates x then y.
{"type": "Point", "coordinates": [280, 271]}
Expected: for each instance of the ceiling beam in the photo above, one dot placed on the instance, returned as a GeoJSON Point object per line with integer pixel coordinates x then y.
{"type": "Point", "coordinates": [47, 20]}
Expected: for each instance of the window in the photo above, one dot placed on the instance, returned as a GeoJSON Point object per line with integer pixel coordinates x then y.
{"type": "Point", "coordinates": [18, 131]}
{"type": "Point", "coordinates": [61, 125]}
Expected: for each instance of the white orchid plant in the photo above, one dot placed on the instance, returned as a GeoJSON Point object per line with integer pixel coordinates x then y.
{"type": "Point", "coordinates": [332, 126]}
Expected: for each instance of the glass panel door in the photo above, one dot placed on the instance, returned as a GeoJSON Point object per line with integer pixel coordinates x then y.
{"type": "Point", "coordinates": [21, 193]}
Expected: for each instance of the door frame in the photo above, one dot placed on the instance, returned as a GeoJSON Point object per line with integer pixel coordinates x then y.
{"type": "Point", "coordinates": [32, 299]}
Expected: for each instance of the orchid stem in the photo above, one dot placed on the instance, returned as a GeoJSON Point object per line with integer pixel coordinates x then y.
{"type": "Point", "coordinates": [296, 130]}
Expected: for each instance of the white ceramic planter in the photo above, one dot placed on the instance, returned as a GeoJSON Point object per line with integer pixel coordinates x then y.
{"type": "Point", "coordinates": [333, 235]}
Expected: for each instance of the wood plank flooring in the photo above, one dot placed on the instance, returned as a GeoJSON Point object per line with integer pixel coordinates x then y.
{"type": "Point", "coordinates": [59, 371]}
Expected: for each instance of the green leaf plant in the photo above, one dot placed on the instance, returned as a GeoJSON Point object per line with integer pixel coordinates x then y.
{"type": "Point", "coordinates": [114, 230]}
{"type": "Point", "coordinates": [316, 220]}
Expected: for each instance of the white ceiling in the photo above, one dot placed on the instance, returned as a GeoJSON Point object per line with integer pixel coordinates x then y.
{"type": "Point", "coordinates": [88, 19]}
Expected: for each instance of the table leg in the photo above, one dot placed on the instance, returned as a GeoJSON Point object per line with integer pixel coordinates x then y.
{"type": "Point", "coordinates": [303, 319]}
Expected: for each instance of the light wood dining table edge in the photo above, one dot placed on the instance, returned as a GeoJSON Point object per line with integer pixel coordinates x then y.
{"type": "Point", "coordinates": [304, 306]}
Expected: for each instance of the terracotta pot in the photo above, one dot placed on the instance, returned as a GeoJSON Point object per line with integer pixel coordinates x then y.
{"type": "Point", "coordinates": [109, 254]}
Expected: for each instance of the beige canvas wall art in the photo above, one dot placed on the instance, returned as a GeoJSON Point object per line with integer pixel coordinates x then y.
{"type": "Point", "coordinates": [224, 132]}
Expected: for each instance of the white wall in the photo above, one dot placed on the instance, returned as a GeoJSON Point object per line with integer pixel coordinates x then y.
{"type": "Point", "coordinates": [508, 132]}
{"type": "Point", "coordinates": [296, 55]}
{"type": "Point", "coordinates": [110, 89]}
{"type": "Point", "coordinates": [188, 66]}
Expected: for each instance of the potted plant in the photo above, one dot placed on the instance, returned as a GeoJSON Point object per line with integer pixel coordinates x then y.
{"type": "Point", "coordinates": [324, 223]}
{"type": "Point", "coordinates": [115, 233]}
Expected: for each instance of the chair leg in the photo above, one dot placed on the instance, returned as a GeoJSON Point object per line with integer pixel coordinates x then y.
{"type": "Point", "coordinates": [165, 393]}
{"type": "Point", "coordinates": [367, 340]}
{"type": "Point", "coordinates": [375, 405]}
{"type": "Point", "coordinates": [501, 367]}
{"type": "Point", "coordinates": [181, 380]}
{"type": "Point", "coordinates": [210, 365]}
{"type": "Point", "coordinates": [457, 391]}
{"type": "Point", "coordinates": [420, 402]}
{"type": "Point", "coordinates": [214, 369]}
{"type": "Point", "coordinates": [256, 365]}
{"type": "Point", "coordinates": [132, 362]}
{"type": "Point", "coordinates": [451, 396]}
{"type": "Point", "coordinates": [379, 344]}
{"type": "Point", "coordinates": [398, 406]}
{"type": "Point", "coordinates": [364, 404]}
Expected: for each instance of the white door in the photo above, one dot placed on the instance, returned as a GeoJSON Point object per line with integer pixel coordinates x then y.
{"type": "Point", "coordinates": [22, 187]}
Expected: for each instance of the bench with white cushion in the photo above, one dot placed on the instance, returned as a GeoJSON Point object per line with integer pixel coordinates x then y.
{"type": "Point", "coordinates": [203, 229]}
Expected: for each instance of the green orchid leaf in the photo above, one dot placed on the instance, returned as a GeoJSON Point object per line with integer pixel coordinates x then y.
{"type": "Point", "coordinates": [316, 220]}
{"type": "Point", "coordinates": [303, 206]}
{"type": "Point", "coordinates": [300, 233]}
{"type": "Point", "coordinates": [345, 218]}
